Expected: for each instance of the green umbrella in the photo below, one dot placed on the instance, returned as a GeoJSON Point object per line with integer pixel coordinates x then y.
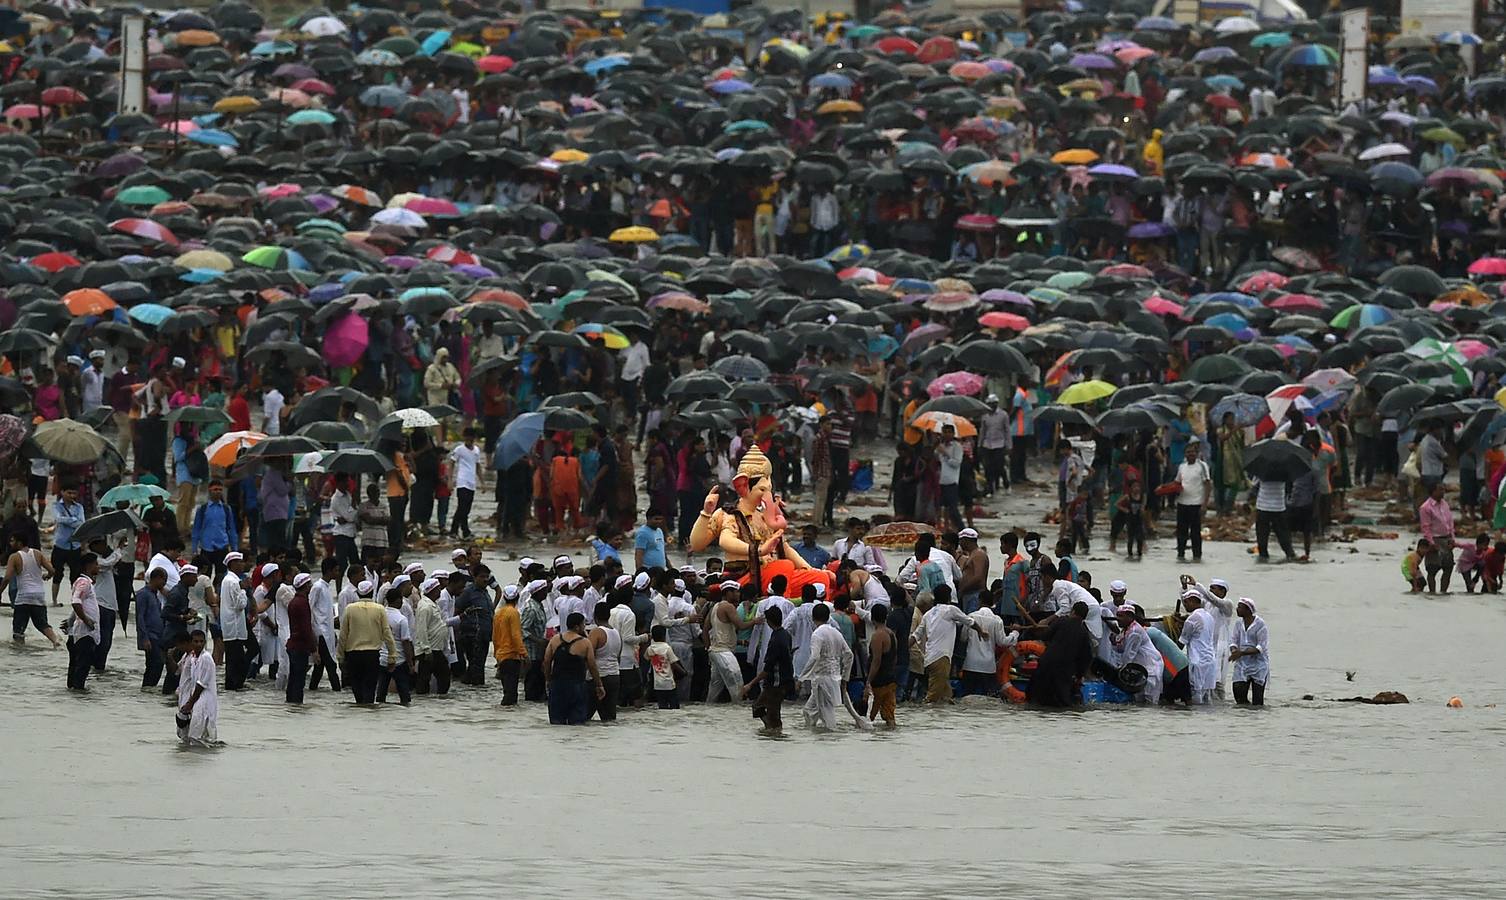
{"type": "Point", "coordinates": [142, 195]}
{"type": "Point", "coordinates": [312, 117]}
{"type": "Point", "coordinates": [1217, 367]}
{"type": "Point", "coordinates": [134, 494]}
{"type": "Point", "coordinates": [198, 415]}
{"type": "Point", "coordinates": [1444, 135]}
{"type": "Point", "coordinates": [269, 257]}
{"type": "Point", "coordinates": [402, 46]}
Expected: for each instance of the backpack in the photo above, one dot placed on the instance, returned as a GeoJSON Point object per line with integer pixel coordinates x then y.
{"type": "Point", "coordinates": [197, 465]}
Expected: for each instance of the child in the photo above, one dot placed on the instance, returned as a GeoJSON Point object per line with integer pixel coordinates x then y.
{"type": "Point", "coordinates": [1411, 566]}
{"type": "Point", "coordinates": [1491, 569]}
{"type": "Point", "coordinates": [1066, 565]}
{"type": "Point", "coordinates": [1132, 507]}
{"type": "Point", "coordinates": [1471, 562]}
{"type": "Point", "coordinates": [1077, 513]}
{"type": "Point", "coordinates": [667, 668]}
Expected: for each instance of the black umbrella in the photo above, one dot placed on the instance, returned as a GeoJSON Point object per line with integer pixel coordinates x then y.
{"type": "Point", "coordinates": [356, 461]}
{"type": "Point", "coordinates": [957, 404]}
{"type": "Point", "coordinates": [1401, 400]}
{"type": "Point", "coordinates": [1130, 419]}
{"type": "Point", "coordinates": [1056, 414]}
{"type": "Point", "coordinates": [992, 358]}
{"type": "Point", "coordinates": [558, 418]}
{"type": "Point", "coordinates": [326, 432]}
{"type": "Point", "coordinates": [698, 384]}
{"type": "Point", "coordinates": [1277, 460]}
{"type": "Point", "coordinates": [107, 524]}
{"type": "Point", "coordinates": [282, 445]}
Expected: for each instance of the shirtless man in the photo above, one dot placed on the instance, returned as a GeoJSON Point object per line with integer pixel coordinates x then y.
{"type": "Point", "coordinates": [974, 563]}
{"type": "Point", "coordinates": [883, 657]}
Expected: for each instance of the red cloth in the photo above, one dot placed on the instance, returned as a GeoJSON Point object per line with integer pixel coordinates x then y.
{"type": "Point", "coordinates": [300, 626]}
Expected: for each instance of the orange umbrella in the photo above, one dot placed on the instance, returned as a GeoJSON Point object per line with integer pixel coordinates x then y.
{"type": "Point", "coordinates": [227, 447]}
{"type": "Point", "coordinates": [936, 421]}
{"type": "Point", "coordinates": [510, 299]}
{"type": "Point", "coordinates": [88, 302]}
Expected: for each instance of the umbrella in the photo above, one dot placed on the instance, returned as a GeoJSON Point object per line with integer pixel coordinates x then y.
{"type": "Point", "coordinates": [518, 439]}
{"type": "Point", "coordinates": [225, 449]}
{"type": "Point", "coordinates": [1085, 392]}
{"type": "Point", "coordinates": [1277, 460]}
{"type": "Point", "coordinates": [1403, 399]}
{"type": "Point", "coordinates": [107, 524]}
{"type": "Point", "coordinates": [1055, 414]}
{"type": "Point", "coordinates": [411, 417]}
{"type": "Point", "coordinates": [964, 383]}
{"type": "Point", "coordinates": [331, 432]}
{"type": "Point", "coordinates": [992, 358]}
{"type": "Point", "coordinates": [69, 442]}
{"type": "Point", "coordinates": [134, 494]}
{"type": "Point", "coordinates": [1217, 368]}
{"type": "Point", "coordinates": [356, 461]}
{"type": "Point", "coordinates": [197, 415]}
{"type": "Point", "coordinates": [938, 421]}
{"type": "Point", "coordinates": [741, 368]}
{"type": "Point", "coordinates": [1130, 419]}
{"type": "Point", "coordinates": [1247, 409]}
{"type": "Point", "coordinates": [346, 340]}
{"type": "Point", "coordinates": [282, 445]}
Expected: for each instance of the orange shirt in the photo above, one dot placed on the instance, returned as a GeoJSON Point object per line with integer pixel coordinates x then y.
{"type": "Point", "coordinates": [397, 479]}
{"type": "Point", "coordinates": [564, 472]}
{"type": "Point", "coordinates": [507, 634]}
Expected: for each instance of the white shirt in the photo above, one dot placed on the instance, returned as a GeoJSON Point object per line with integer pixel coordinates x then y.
{"type": "Point", "coordinates": [634, 361]}
{"type": "Point", "coordinates": [343, 512]}
{"type": "Point", "coordinates": [950, 455]}
{"type": "Point", "coordinates": [84, 596]}
{"type": "Point", "coordinates": [271, 407]}
{"type": "Point", "coordinates": [1064, 594]}
{"type": "Point", "coordinates": [94, 387]}
{"type": "Point", "coordinates": [232, 608]}
{"type": "Point", "coordinates": [1252, 637]}
{"type": "Point", "coordinates": [625, 623]}
{"type": "Point", "coordinates": [830, 657]}
{"type": "Point", "coordinates": [951, 573]}
{"type": "Point", "coordinates": [1270, 496]}
{"type": "Point", "coordinates": [322, 611]}
{"type": "Point", "coordinates": [1195, 483]}
{"type": "Point", "coordinates": [858, 552]}
{"type": "Point", "coordinates": [161, 561]}
{"type": "Point", "coordinates": [104, 585]}
{"type": "Point", "coordinates": [401, 631]}
{"type": "Point", "coordinates": [1202, 654]}
{"type": "Point", "coordinates": [758, 641]}
{"type": "Point", "coordinates": [465, 459]}
{"type": "Point", "coordinates": [938, 631]}
{"type": "Point", "coordinates": [980, 649]}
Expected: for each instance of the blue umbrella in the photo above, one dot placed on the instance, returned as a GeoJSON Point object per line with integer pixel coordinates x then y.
{"type": "Point", "coordinates": [213, 137]}
{"type": "Point", "coordinates": [730, 86]}
{"type": "Point", "coordinates": [831, 81]}
{"type": "Point", "coordinates": [1421, 83]}
{"type": "Point", "coordinates": [913, 286]}
{"type": "Point", "coordinates": [1224, 83]}
{"type": "Point", "coordinates": [518, 439]}
{"type": "Point", "coordinates": [677, 241]}
{"type": "Point", "coordinates": [200, 276]}
{"type": "Point", "coordinates": [1248, 409]}
{"type": "Point", "coordinates": [1112, 170]}
{"type": "Point", "coordinates": [595, 67]}
{"type": "Point", "coordinates": [742, 125]}
{"type": "Point", "coordinates": [434, 43]}
{"type": "Point", "coordinates": [1228, 321]}
{"type": "Point", "coordinates": [1234, 297]}
{"type": "Point", "coordinates": [149, 313]}
{"type": "Point", "coordinates": [1214, 54]}
{"type": "Point", "coordinates": [882, 346]}
{"type": "Point", "coordinates": [384, 95]}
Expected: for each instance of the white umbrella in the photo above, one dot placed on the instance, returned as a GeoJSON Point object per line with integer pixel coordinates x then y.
{"type": "Point", "coordinates": [1326, 380]}
{"type": "Point", "coordinates": [412, 417]}
{"type": "Point", "coordinates": [404, 217]}
{"type": "Point", "coordinates": [223, 450]}
{"type": "Point", "coordinates": [1237, 25]}
{"type": "Point", "coordinates": [324, 26]}
{"type": "Point", "coordinates": [309, 463]}
{"type": "Point", "coordinates": [1384, 151]}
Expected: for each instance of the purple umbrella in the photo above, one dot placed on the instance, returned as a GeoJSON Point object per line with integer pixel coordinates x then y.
{"type": "Point", "coordinates": [1002, 295]}
{"type": "Point", "coordinates": [1091, 61]}
{"type": "Point", "coordinates": [730, 86]}
{"type": "Point", "coordinates": [1421, 83]}
{"type": "Point", "coordinates": [323, 203]}
{"type": "Point", "coordinates": [472, 270]}
{"type": "Point", "coordinates": [401, 262]}
{"type": "Point", "coordinates": [1214, 54]}
{"type": "Point", "coordinates": [1112, 170]}
{"type": "Point", "coordinates": [346, 340]}
{"type": "Point", "coordinates": [120, 165]}
{"type": "Point", "coordinates": [1142, 231]}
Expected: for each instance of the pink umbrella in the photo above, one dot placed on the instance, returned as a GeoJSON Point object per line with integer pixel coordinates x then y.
{"type": "Point", "coordinates": [923, 336]}
{"type": "Point", "coordinates": [1162, 307]}
{"type": "Point", "coordinates": [182, 126]}
{"type": "Point", "coordinates": [863, 273]}
{"type": "Point", "coordinates": [1472, 349]}
{"type": "Point", "coordinates": [1297, 301]}
{"type": "Point", "coordinates": [432, 206]}
{"type": "Point", "coordinates": [283, 189]}
{"type": "Point", "coordinates": [27, 111]}
{"type": "Point", "coordinates": [1004, 295]}
{"type": "Point", "coordinates": [1128, 270]}
{"type": "Point", "coordinates": [345, 340]}
{"type": "Point", "coordinates": [145, 229]}
{"type": "Point", "coordinates": [1488, 265]}
{"type": "Point", "coordinates": [965, 383]}
{"type": "Point", "coordinates": [1263, 281]}
{"type": "Point", "coordinates": [1005, 320]}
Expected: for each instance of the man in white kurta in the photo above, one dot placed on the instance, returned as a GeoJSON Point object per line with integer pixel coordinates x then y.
{"type": "Point", "coordinates": [758, 641]}
{"type": "Point", "coordinates": [1133, 645]}
{"type": "Point", "coordinates": [825, 671]}
{"type": "Point", "coordinates": [1251, 642]}
{"type": "Point", "coordinates": [1198, 637]}
{"type": "Point", "coordinates": [1221, 609]}
{"type": "Point", "coordinates": [196, 673]}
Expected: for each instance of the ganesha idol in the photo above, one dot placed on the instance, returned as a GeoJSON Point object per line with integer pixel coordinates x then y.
{"type": "Point", "coordinates": [751, 533]}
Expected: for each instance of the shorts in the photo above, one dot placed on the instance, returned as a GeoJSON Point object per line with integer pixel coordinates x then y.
{"type": "Point", "coordinates": [27, 612]}
{"type": "Point", "coordinates": [36, 487]}
{"type": "Point", "coordinates": [883, 703]}
{"type": "Point", "coordinates": [65, 558]}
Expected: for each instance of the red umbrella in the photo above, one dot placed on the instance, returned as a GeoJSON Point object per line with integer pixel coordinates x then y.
{"type": "Point", "coordinates": [1006, 320]}
{"type": "Point", "coordinates": [896, 45]}
{"type": "Point", "coordinates": [1297, 301]}
{"type": "Point", "coordinates": [1488, 265]}
{"type": "Point", "coordinates": [937, 49]}
{"type": "Point", "coordinates": [57, 96]}
{"type": "Point", "coordinates": [494, 65]}
{"type": "Point", "coordinates": [55, 261]}
{"type": "Point", "coordinates": [510, 299]}
{"type": "Point", "coordinates": [977, 222]}
{"type": "Point", "coordinates": [451, 256]}
{"type": "Point", "coordinates": [433, 206]}
{"type": "Point", "coordinates": [314, 86]}
{"type": "Point", "coordinates": [145, 229]}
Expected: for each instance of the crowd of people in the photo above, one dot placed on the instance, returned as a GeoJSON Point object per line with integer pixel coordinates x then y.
{"type": "Point", "coordinates": [277, 334]}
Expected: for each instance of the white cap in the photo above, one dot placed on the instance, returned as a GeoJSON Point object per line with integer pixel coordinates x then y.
{"type": "Point", "coordinates": [537, 585]}
{"type": "Point", "coordinates": [968, 533]}
{"type": "Point", "coordinates": [569, 582]}
{"type": "Point", "coordinates": [365, 588]}
{"type": "Point", "coordinates": [563, 560]}
{"type": "Point", "coordinates": [268, 570]}
{"type": "Point", "coordinates": [731, 586]}
{"type": "Point", "coordinates": [1117, 587]}
{"type": "Point", "coordinates": [1246, 601]}
{"type": "Point", "coordinates": [1219, 583]}
{"type": "Point", "coordinates": [440, 574]}
{"type": "Point", "coordinates": [233, 556]}
{"type": "Point", "coordinates": [1192, 595]}
{"type": "Point", "coordinates": [622, 581]}
{"type": "Point", "coordinates": [430, 584]}
{"type": "Point", "coordinates": [75, 360]}
{"type": "Point", "coordinates": [459, 553]}
{"type": "Point", "coordinates": [413, 567]}
{"type": "Point", "coordinates": [820, 589]}
{"type": "Point", "coordinates": [687, 570]}
{"type": "Point", "coordinates": [640, 581]}
{"type": "Point", "coordinates": [96, 354]}
{"type": "Point", "coordinates": [301, 579]}
{"type": "Point", "coordinates": [872, 568]}
{"type": "Point", "coordinates": [400, 580]}
{"type": "Point", "coordinates": [510, 592]}
{"type": "Point", "coordinates": [179, 362]}
{"type": "Point", "coordinates": [523, 563]}
{"type": "Point", "coordinates": [679, 584]}
{"type": "Point", "coordinates": [189, 569]}
{"type": "Point", "coordinates": [1125, 610]}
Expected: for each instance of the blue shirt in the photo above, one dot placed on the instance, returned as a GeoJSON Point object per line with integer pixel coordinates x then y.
{"type": "Point", "coordinates": [180, 462]}
{"type": "Point", "coordinates": [605, 551]}
{"type": "Point", "coordinates": [213, 527]}
{"type": "Point", "coordinates": [148, 617]}
{"type": "Point", "coordinates": [928, 577]}
{"type": "Point", "coordinates": [69, 516]}
{"type": "Point", "coordinates": [651, 542]}
{"type": "Point", "coordinates": [813, 554]}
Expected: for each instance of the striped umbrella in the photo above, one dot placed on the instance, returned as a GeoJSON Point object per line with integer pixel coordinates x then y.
{"type": "Point", "coordinates": [145, 229]}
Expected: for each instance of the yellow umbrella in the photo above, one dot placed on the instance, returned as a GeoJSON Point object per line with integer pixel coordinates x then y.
{"type": "Point", "coordinates": [839, 106]}
{"type": "Point", "coordinates": [1077, 157]}
{"type": "Point", "coordinates": [569, 155]}
{"type": "Point", "coordinates": [610, 337]}
{"type": "Point", "coordinates": [205, 259]}
{"type": "Point", "coordinates": [1086, 392]}
{"type": "Point", "coordinates": [634, 234]}
{"type": "Point", "coordinates": [1085, 85]}
{"type": "Point", "coordinates": [237, 105]}
{"type": "Point", "coordinates": [197, 37]}
{"type": "Point", "coordinates": [1501, 397]}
